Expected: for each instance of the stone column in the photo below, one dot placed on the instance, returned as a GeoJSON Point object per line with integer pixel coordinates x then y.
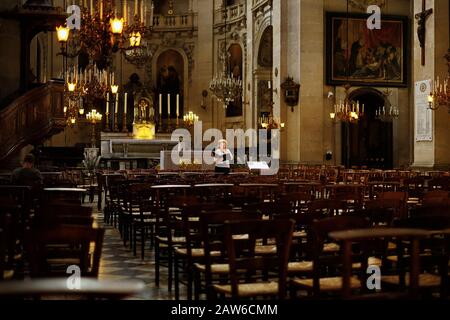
{"type": "Point", "coordinates": [310, 135]}
{"type": "Point", "coordinates": [249, 92]}
{"type": "Point", "coordinates": [433, 154]}
{"type": "Point", "coordinates": [204, 62]}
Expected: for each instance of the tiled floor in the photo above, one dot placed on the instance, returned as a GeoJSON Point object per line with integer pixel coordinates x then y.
{"type": "Point", "coordinates": [118, 263]}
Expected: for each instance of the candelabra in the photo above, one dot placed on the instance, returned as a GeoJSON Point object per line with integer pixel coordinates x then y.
{"type": "Point", "coordinates": [440, 94]}
{"type": "Point", "coordinates": [94, 117]}
{"type": "Point", "coordinates": [270, 122]}
{"type": "Point", "coordinates": [347, 111]}
{"type": "Point", "coordinates": [224, 86]}
{"type": "Point", "coordinates": [189, 119]}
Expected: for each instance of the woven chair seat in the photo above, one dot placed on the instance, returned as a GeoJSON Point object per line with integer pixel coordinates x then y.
{"type": "Point", "coordinates": [196, 252]}
{"type": "Point", "coordinates": [327, 284]}
{"type": "Point", "coordinates": [215, 268]}
{"type": "Point", "coordinates": [250, 289]}
{"type": "Point", "coordinates": [426, 280]}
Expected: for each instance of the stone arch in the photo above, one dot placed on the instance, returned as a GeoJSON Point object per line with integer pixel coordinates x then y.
{"type": "Point", "coordinates": [154, 69]}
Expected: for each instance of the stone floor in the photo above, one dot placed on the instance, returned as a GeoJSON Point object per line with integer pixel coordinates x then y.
{"type": "Point", "coordinates": [119, 263]}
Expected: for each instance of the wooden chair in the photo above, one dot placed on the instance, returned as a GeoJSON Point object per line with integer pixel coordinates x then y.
{"type": "Point", "coordinates": [56, 214]}
{"type": "Point", "coordinates": [363, 239]}
{"type": "Point", "coordinates": [244, 264]}
{"type": "Point", "coordinates": [213, 262]}
{"type": "Point", "coordinates": [52, 251]}
{"type": "Point", "coordinates": [400, 196]}
{"type": "Point", "coordinates": [432, 255]}
{"type": "Point", "coordinates": [327, 264]}
{"type": "Point", "coordinates": [328, 207]}
{"type": "Point", "coordinates": [191, 249]}
{"type": "Point", "coordinates": [6, 272]}
{"type": "Point", "coordinates": [51, 288]}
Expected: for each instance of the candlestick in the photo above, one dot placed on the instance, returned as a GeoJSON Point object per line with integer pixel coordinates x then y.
{"type": "Point", "coordinates": [151, 14]}
{"type": "Point", "coordinates": [107, 102]}
{"type": "Point", "coordinates": [117, 103]}
{"type": "Point", "coordinates": [125, 103]}
{"type": "Point", "coordinates": [107, 122]}
{"type": "Point", "coordinates": [168, 105]}
{"type": "Point", "coordinates": [124, 123]}
{"type": "Point", "coordinates": [116, 122]}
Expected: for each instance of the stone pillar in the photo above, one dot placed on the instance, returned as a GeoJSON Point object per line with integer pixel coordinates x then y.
{"type": "Point", "coordinates": [249, 92]}
{"type": "Point", "coordinates": [433, 154]}
{"type": "Point", "coordinates": [204, 63]}
{"type": "Point", "coordinates": [310, 135]}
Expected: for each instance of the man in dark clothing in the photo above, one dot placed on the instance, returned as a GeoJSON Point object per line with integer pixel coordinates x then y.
{"type": "Point", "coordinates": [27, 175]}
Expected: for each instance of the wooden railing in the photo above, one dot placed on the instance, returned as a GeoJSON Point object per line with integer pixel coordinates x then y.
{"type": "Point", "coordinates": [31, 118]}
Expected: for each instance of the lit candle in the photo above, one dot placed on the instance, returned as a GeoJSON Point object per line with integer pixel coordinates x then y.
{"type": "Point", "coordinates": [168, 105]}
{"type": "Point", "coordinates": [125, 103]}
{"type": "Point", "coordinates": [160, 104]}
{"type": "Point", "coordinates": [151, 14]}
{"type": "Point", "coordinates": [178, 105]}
{"type": "Point", "coordinates": [107, 102]}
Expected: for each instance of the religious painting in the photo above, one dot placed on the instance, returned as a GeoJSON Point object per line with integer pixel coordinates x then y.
{"type": "Point", "coordinates": [170, 83]}
{"type": "Point", "coordinates": [234, 109]}
{"type": "Point", "coordinates": [364, 57]}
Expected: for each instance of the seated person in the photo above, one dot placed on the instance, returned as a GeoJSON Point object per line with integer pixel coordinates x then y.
{"type": "Point", "coordinates": [27, 175]}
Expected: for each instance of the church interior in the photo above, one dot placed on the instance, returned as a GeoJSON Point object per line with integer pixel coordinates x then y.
{"type": "Point", "coordinates": [225, 149]}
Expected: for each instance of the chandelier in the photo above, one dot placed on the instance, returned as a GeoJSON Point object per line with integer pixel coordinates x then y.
{"type": "Point", "coordinates": [224, 86]}
{"type": "Point", "coordinates": [270, 123]}
{"type": "Point", "coordinates": [387, 113]}
{"type": "Point", "coordinates": [347, 111]}
{"type": "Point", "coordinates": [133, 45]}
{"type": "Point", "coordinates": [190, 118]}
{"type": "Point", "coordinates": [101, 34]}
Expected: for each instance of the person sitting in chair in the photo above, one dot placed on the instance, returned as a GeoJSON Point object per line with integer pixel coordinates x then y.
{"type": "Point", "coordinates": [27, 175]}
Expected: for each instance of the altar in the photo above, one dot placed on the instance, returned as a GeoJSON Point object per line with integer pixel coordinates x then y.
{"type": "Point", "coordinates": [128, 151]}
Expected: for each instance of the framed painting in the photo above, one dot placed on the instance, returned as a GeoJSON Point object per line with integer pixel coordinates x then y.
{"type": "Point", "coordinates": [364, 57]}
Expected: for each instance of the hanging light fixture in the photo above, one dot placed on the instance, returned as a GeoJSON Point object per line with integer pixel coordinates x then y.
{"type": "Point", "coordinates": [102, 33]}
{"type": "Point", "coordinates": [224, 86]}
{"type": "Point", "coordinates": [134, 47]}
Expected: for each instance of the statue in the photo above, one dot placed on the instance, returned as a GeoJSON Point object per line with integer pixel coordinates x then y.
{"type": "Point", "coordinates": [421, 18]}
